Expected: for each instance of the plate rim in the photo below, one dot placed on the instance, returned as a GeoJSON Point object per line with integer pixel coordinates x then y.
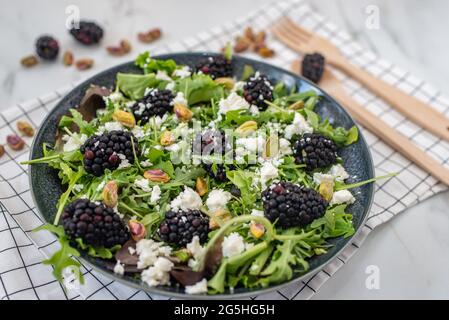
{"type": "Point", "coordinates": [239, 295]}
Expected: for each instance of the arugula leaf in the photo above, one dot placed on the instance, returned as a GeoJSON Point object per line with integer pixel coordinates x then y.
{"type": "Point", "coordinates": [134, 85]}
{"type": "Point", "coordinates": [280, 90]}
{"type": "Point", "coordinates": [199, 88]}
{"type": "Point", "coordinates": [243, 180]}
{"type": "Point", "coordinates": [98, 252]}
{"type": "Point", "coordinates": [62, 258]}
{"type": "Point", "coordinates": [77, 118]}
{"type": "Point", "coordinates": [149, 65]}
{"type": "Point", "coordinates": [248, 71]}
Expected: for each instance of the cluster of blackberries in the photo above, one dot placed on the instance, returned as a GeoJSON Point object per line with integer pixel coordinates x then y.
{"type": "Point", "coordinates": [95, 224]}
{"type": "Point", "coordinates": [215, 67]}
{"type": "Point", "coordinates": [292, 205]}
{"type": "Point", "coordinates": [213, 144]}
{"type": "Point", "coordinates": [313, 67]}
{"type": "Point", "coordinates": [315, 151]}
{"type": "Point", "coordinates": [179, 227]}
{"type": "Point", "coordinates": [155, 103]}
{"type": "Point", "coordinates": [87, 32]}
{"type": "Point", "coordinates": [106, 151]}
{"type": "Point", "coordinates": [257, 90]}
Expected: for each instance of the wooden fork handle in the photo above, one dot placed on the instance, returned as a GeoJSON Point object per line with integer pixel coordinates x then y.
{"type": "Point", "coordinates": [393, 138]}
{"type": "Point", "coordinates": [415, 110]}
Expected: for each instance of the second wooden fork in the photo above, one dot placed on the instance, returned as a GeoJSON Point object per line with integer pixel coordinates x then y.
{"type": "Point", "coordinates": [304, 41]}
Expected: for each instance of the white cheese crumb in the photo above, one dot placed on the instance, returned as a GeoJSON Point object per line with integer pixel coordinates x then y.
{"type": "Point", "coordinates": [197, 251]}
{"type": "Point", "coordinates": [197, 288]}
{"type": "Point", "coordinates": [299, 126]}
{"type": "Point", "coordinates": [218, 199]}
{"type": "Point", "coordinates": [138, 132]}
{"type": "Point", "coordinates": [319, 178]}
{"type": "Point", "coordinates": [257, 213]}
{"type": "Point", "coordinates": [284, 147]}
{"type": "Point", "coordinates": [342, 196]}
{"type": "Point", "coordinates": [113, 125]}
{"type": "Point", "coordinates": [131, 250]}
{"type": "Point", "coordinates": [78, 187]}
{"type": "Point", "coordinates": [233, 245]}
{"type": "Point", "coordinates": [149, 250]}
{"type": "Point", "coordinates": [188, 199]}
{"type": "Point", "coordinates": [338, 172]}
{"type": "Point", "coordinates": [159, 274]}
{"type": "Point", "coordinates": [124, 163]}
{"type": "Point", "coordinates": [119, 269]}
{"type": "Point", "coordinates": [238, 86]}
{"type": "Point", "coordinates": [155, 194]}
{"type": "Point", "coordinates": [162, 75]}
{"type": "Point", "coordinates": [73, 142]}
{"type": "Point", "coordinates": [143, 184]}
{"type": "Point", "coordinates": [183, 72]}
{"type": "Point", "coordinates": [180, 99]}
{"type": "Point", "coordinates": [146, 163]}
{"type": "Point", "coordinates": [170, 86]}
{"type": "Point", "coordinates": [254, 110]}
{"type": "Point", "coordinates": [232, 102]}
{"type": "Point", "coordinates": [267, 172]}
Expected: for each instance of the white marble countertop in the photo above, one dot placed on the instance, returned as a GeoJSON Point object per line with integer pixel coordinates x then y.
{"type": "Point", "coordinates": [411, 250]}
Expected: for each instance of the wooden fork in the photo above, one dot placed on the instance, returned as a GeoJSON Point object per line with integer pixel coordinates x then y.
{"type": "Point", "coordinates": [389, 135]}
{"type": "Point", "coordinates": [303, 41]}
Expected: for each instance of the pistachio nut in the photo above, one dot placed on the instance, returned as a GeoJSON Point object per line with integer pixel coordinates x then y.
{"type": "Point", "coordinates": [125, 118]}
{"type": "Point", "coordinates": [167, 138]}
{"type": "Point", "coordinates": [257, 230]}
{"type": "Point", "coordinates": [156, 175]}
{"type": "Point", "coordinates": [182, 112]}
{"type": "Point", "coordinates": [110, 194]}
{"type": "Point", "coordinates": [201, 186]}
{"type": "Point", "coordinates": [137, 230]}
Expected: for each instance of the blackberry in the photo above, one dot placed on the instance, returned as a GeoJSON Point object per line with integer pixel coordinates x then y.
{"type": "Point", "coordinates": [88, 32]}
{"type": "Point", "coordinates": [95, 224]}
{"type": "Point", "coordinates": [155, 103]}
{"type": "Point", "coordinates": [315, 151]}
{"type": "Point", "coordinates": [216, 67]}
{"type": "Point", "coordinates": [313, 67]}
{"type": "Point", "coordinates": [213, 143]}
{"type": "Point", "coordinates": [257, 90]}
{"type": "Point", "coordinates": [107, 151]}
{"type": "Point", "coordinates": [292, 205]}
{"type": "Point", "coordinates": [179, 227]}
{"type": "Point", "coordinates": [47, 47]}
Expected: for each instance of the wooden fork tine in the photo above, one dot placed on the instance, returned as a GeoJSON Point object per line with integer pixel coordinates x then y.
{"type": "Point", "coordinates": [289, 40]}
{"type": "Point", "coordinates": [297, 29]}
{"type": "Point", "coordinates": [285, 25]}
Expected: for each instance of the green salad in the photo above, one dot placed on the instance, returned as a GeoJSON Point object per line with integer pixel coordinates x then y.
{"type": "Point", "coordinates": [199, 178]}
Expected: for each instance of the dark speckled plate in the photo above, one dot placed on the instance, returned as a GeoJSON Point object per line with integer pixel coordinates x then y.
{"type": "Point", "coordinates": [46, 187]}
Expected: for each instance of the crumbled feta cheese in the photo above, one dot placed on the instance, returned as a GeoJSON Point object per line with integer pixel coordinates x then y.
{"type": "Point", "coordinates": [170, 86]}
{"type": "Point", "coordinates": [187, 199]}
{"type": "Point", "coordinates": [73, 142]}
{"type": "Point", "coordinates": [162, 75]}
{"type": "Point", "coordinates": [149, 250]}
{"type": "Point", "coordinates": [138, 132]}
{"type": "Point", "coordinates": [119, 268]}
{"type": "Point", "coordinates": [251, 144]}
{"type": "Point", "coordinates": [131, 250]}
{"type": "Point", "coordinates": [159, 274]}
{"type": "Point", "coordinates": [319, 178]}
{"type": "Point", "coordinates": [257, 213]}
{"type": "Point", "coordinates": [78, 187]}
{"type": "Point", "coordinates": [197, 251]}
{"type": "Point", "coordinates": [218, 199]}
{"type": "Point", "coordinates": [113, 125]}
{"type": "Point", "coordinates": [175, 147]}
{"type": "Point", "coordinates": [268, 172]}
{"type": "Point", "coordinates": [115, 96]}
{"type": "Point", "coordinates": [143, 184]}
{"type": "Point", "coordinates": [183, 72]}
{"type": "Point", "coordinates": [238, 86]}
{"type": "Point", "coordinates": [157, 121]}
{"type": "Point", "coordinates": [180, 99]}
{"type": "Point", "coordinates": [232, 102]}
{"type": "Point", "coordinates": [284, 147]}
{"type": "Point", "coordinates": [299, 126]}
{"type": "Point", "coordinates": [338, 172]}
{"type": "Point", "coordinates": [232, 245]}
{"type": "Point", "coordinates": [254, 110]}
{"type": "Point", "coordinates": [155, 194]}
{"type": "Point", "coordinates": [342, 196]}
{"type": "Point", "coordinates": [197, 288]}
{"type": "Point", "coordinates": [146, 163]}
{"type": "Point", "coordinates": [124, 163]}
{"type": "Point", "coordinates": [101, 185]}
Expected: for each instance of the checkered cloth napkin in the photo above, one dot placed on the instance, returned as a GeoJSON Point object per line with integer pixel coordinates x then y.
{"type": "Point", "coordinates": [23, 276]}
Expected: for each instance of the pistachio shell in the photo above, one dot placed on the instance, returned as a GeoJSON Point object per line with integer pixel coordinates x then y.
{"type": "Point", "coordinates": [125, 118]}
{"type": "Point", "coordinates": [227, 82]}
{"type": "Point", "coordinates": [246, 128]}
{"type": "Point", "coordinates": [110, 194]}
{"type": "Point", "coordinates": [167, 138]}
{"type": "Point", "coordinates": [271, 148]}
{"type": "Point", "coordinates": [257, 230]}
{"type": "Point", "coordinates": [137, 230]}
{"type": "Point", "coordinates": [201, 186]}
{"type": "Point", "coordinates": [326, 189]}
{"type": "Point", "coordinates": [182, 112]}
{"type": "Point", "coordinates": [156, 175]}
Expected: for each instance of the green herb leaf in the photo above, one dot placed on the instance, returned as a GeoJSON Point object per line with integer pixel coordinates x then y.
{"type": "Point", "coordinates": [149, 65]}
{"type": "Point", "coordinates": [134, 85]}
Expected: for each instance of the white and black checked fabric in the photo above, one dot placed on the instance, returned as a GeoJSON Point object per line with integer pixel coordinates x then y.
{"type": "Point", "coordinates": [21, 251]}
